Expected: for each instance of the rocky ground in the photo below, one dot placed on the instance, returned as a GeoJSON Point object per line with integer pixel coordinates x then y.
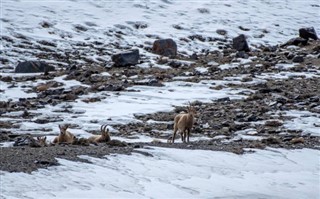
{"type": "Point", "coordinates": [218, 120]}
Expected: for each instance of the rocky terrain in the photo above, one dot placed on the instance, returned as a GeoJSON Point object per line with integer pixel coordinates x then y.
{"type": "Point", "coordinates": [257, 120]}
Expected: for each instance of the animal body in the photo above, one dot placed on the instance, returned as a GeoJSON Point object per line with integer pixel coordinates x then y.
{"type": "Point", "coordinates": [183, 123]}
{"type": "Point", "coordinates": [64, 136]}
{"type": "Point", "coordinates": [104, 137]}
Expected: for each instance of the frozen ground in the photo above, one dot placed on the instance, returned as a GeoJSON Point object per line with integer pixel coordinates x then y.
{"type": "Point", "coordinates": [175, 173]}
{"type": "Point", "coordinates": [171, 172]}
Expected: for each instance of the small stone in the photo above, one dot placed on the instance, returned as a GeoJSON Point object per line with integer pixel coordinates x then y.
{"type": "Point", "coordinates": [273, 123]}
{"type": "Point", "coordinates": [242, 54]}
{"type": "Point", "coordinates": [298, 59]}
{"type": "Point", "coordinates": [225, 130]}
{"type": "Point", "coordinates": [221, 32]}
{"type": "Point", "coordinates": [290, 56]}
{"type": "Point", "coordinates": [308, 33]}
{"type": "Point", "coordinates": [271, 140]}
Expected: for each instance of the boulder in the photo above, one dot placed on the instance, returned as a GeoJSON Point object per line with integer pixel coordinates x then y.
{"type": "Point", "coordinates": [296, 42]}
{"type": "Point", "coordinates": [240, 43]}
{"type": "Point", "coordinates": [127, 58]}
{"type": "Point", "coordinates": [165, 47]}
{"type": "Point", "coordinates": [307, 33]}
{"type": "Point", "coordinates": [33, 67]}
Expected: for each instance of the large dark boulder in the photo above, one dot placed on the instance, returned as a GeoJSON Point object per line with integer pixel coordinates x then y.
{"type": "Point", "coordinates": [128, 58]}
{"type": "Point", "coordinates": [33, 67]}
{"type": "Point", "coordinates": [165, 47]}
{"type": "Point", "coordinates": [308, 33]}
{"type": "Point", "coordinates": [240, 43]}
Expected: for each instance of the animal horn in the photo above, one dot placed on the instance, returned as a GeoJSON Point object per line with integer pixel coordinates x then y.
{"type": "Point", "coordinates": [104, 129]}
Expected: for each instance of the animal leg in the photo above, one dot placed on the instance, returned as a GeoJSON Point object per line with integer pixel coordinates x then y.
{"type": "Point", "coordinates": [174, 134]}
{"type": "Point", "coordinates": [184, 136]}
{"type": "Point", "coordinates": [188, 134]}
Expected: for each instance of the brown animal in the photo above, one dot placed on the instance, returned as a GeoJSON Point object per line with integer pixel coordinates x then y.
{"type": "Point", "coordinates": [104, 137]}
{"type": "Point", "coordinates": [64, 136]}
{"type": "Point", "coordinates": [42, 141]}
{"type": "Point", "coordinates": [184, 123]}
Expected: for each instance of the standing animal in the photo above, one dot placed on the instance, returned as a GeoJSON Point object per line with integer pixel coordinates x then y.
{"type": "Point", "coordinates": [104, 137]}
{"type": "Point", "coordinates": [183, 123]}
{"type": "Point", "coordinates": [64, 136]}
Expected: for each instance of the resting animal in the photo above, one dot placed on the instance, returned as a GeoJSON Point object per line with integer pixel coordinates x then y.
{"type": "Point", "coordinates": [104, 137]}
{"type": "Point", "coordinates": [64, 136]}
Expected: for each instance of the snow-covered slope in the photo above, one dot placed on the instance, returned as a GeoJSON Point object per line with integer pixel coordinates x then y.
{"type": "Point", "coordinates": [65, 21]}
{"type": "Point", "coordinates": [174, 173]}
{"type": "Point", "coordinates": [170, 172]}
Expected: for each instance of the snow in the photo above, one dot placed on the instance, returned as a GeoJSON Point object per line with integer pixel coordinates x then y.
{"type": "Point", "coordinates": [306, 121]}
{"type": "Point", "coordinates": [103, 18]}
{"type": "Point", "coordinates": [287, 75]}
{"type": "Point", "coordinates": [271, 173]}
{"type": "Point", "coordinates": [175, 173]}
{"type": "Point", "coordinates": [122, 106]}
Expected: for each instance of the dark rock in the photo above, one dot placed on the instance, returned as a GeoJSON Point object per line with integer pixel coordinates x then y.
{"type": "Point", "coordinates": [3, 104]}
{"type": "Point", "coordinates": [240, 43]}
{"type": "Point", "coordinates": [296, 42]}
{"type": "Point", "coordinates": [33, 67]}
{"type": "Point", "coordinates": [79, 27]}
{"type": "Point", "coordinates": [117, 143]}
{"type": "Point", "coordinates": [221, 32]}
{"type": "Point", "coordinates": [46, 24]}
{"type": "Point", "coordinates": [140, 25]}
{"type": "Point", "coordinates": [243, 28]}
{"type": "Point", "coordinates": [242, 54]}
{"type": "Point", "coordinates": [273, 123]}
{"type": "Point", "coordinates": [271, 140]}
{"type": "Point", "coordinates": [203, 10]}
{"type": "Point", "coordinates": [290, 55]}
{"type": "Point", "coordinates": [307, 33]}
{"type": "Point", "coordinates": [224, 99]}
{"type": "Point", "coordinates": [150, 82]}
{"type": "Point", "coordinates": [7, 79]}
{"type": "Point", "coordinates": [175, 64]}
{"type": "Point", "coordinates": [194, 56]}
{"type": "Point", "coordinates": [68, 97]}
{"type": "Point", "coordinates": [127, 58]}
{"type": "Point", "coordinates": [298, 59]}
{"type": "Point", "coordinates": [165, 47]}
{"type": "Point", "coordinates": [26, 140]}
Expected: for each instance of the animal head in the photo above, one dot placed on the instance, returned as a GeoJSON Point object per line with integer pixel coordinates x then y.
{"type": "Point", "coordinates": [191, 110]}
{"type": "Point", "coordinates": [63, 129]}
{"type": "Point", "coordinates": [104, 132]}
{"type": "Point", "coordinates": [42, 140]}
